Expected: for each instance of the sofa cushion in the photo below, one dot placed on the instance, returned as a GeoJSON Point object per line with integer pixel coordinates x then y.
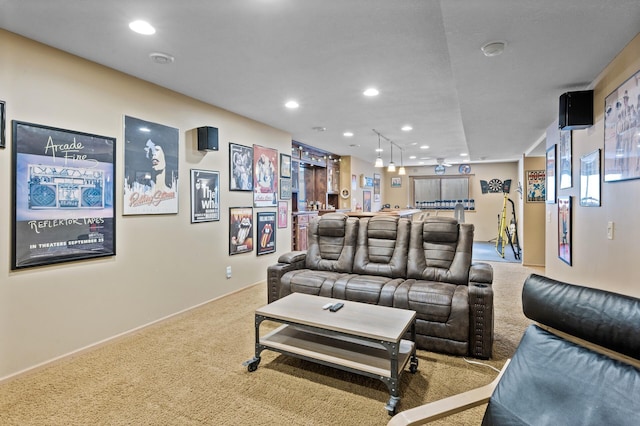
{"type": "Point", "coordinates": [383, 243]}
{"type": "Point", "coordinates": [366, 288]}
{"type": "Point", "coordinates": [317, 283]}
{"type": "Point", "coordinates": [331, 243]}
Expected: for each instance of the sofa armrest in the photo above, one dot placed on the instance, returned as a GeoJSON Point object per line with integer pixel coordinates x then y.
{"type": "Point", "coordinates": [481, 272]}
{"type": "Point", "coordinates": [287, 262]}
{"type": "Point", "coordinates": [481, 319]}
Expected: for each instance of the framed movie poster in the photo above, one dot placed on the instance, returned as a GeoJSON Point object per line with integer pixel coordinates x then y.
{"type": "Point", "coordinates": [590, 179]}
{"type": "Point", "coordinates": [240, 167]}
{"type": "Point", "coordinates": [366, 201]}
{"type": "Point", "coordinates": [295, 175]}
{"type": "Point", "coordinates": [265, 181]}
{"type": "Point", "coordinates": [376, 187]}
{"type": "Point", "coordinates": [63, 195]}
{"type": "Point", "coordinates": [283, 214]}
{"type": "Point", "coordinates": [565, 159]}
{"type": "Point", "coordinates": [285, 166]}
{"type": "Point", "coordinates": [240, 230]}
{"type": "Point", "coordinates": [2, 124]}
{"type": "Point", "coordinates": [150, 167]}
{"type": "Point", "coordinates": [396, 182]}
{"type": "Point", "coordinates": [266, 233]}
{"type": "Point", "coordinates": [622, 131]}
{"type": "Point", "coordinates": [564, 229]}
{"type": "Point", "coordinates": [205, 196]}
{"type": "Point", "coordinates": [535, 186]}
{"type": "Point", "coordinates": [285, 189]}
{"type": "Point", "coordinates": [550, 176]}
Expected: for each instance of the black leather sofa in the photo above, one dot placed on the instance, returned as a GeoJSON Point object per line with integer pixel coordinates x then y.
{"type": "Point", "coordinates": [424, 266]}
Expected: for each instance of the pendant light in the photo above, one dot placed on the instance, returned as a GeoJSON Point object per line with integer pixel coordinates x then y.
{"type": "Point", "coordinates": [401, 170]}
{"type": "Point", "coordinates": [379, 162]}
{"type": "Point", "coordinates": [392, 166]}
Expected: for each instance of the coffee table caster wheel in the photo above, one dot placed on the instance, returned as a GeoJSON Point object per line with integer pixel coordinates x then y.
{"type": "Point", "coordinates": [413, 367]}
{"type": "Point", "coordinates": [392, 412]}
{"type": "Point", "coordinates": [252, 364]}
{"type": "Point", "coordinates": [391, 405]}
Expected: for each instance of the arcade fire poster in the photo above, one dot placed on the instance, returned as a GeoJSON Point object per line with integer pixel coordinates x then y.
{"type": "Point", "coordinates": [150, 168]}
{"type": "Point", "coordinates": [266, 233]}
{"type": "Point", "coordinates": [63, 195]}
{"type": "Point", "coordinates": [205, 196]}
{"type": "Point", "coordinates": [265, 184]}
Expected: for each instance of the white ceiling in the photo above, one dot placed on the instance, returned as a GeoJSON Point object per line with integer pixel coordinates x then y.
{"type": "Point", "coordinates": [251, 56]}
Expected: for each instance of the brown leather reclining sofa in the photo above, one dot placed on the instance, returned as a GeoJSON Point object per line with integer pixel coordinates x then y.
{"type": "Point", "coordinates": [391, 261]}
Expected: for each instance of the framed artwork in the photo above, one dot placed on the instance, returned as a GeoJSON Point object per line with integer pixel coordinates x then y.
{"type": "Point", "coordinates": [265, 176]}
{"type": "Point", "coordinates": [354, 182]}
{"type": "Point", "coordinates": [564, 229]}
{"type": "Point", "coordinates": [240, 167]}
{"type": "Point", "coordinates": [283, 214]}
{"type": "Point", "coordinates": [295, 175]}
{"type": "Point", "coordinates": [205, 196]}
{"type": "Point", "coordinates": [285, 166]}
{"type": "Point", "coordinates": [376, 187]}
{"type": "Point", "coordinates": [150, 167]}
{"type": "Point", "coordinates": [535, 186]}
{"type": "Point", "coordinates": [396, 182]}
{"type": "Point", "coordinates": [622, 131]}
{"type": "Point", "coordinates": [240, 230]}
{"type": "Point", "coordinates": [63, 195]}
{"type": "Point", "coordinates": [285, 189]}
{"type": "Point", "coordinates": [550, 176]}
{"type": "Point", "coordinates": [590, 179]}
{"type": "Point", "coordinates": [3, 142]}
{"type": "Point", "coordinates": [366, 201]}
{"type": "Point", "coordinates": [564, 153]}
{"type": "Point", "coordinates": [266, 233]}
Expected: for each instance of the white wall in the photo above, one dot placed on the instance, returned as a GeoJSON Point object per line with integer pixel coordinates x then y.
{"type": "Point", "coordinates": [164, 264]}
{"type": "Point", "coordinates": [597, 261]}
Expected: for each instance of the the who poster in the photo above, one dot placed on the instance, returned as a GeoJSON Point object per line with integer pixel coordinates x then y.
{"type": "Point", "coordinates": [266, 233]}
{"type": "Point", "coordinates": [205, 196]}
{"type": "Point", "coordinates": [240, 230]}
{"type": "Point", "coordinates": [63, 195]}
{"type": "Point", "coordinates": [150, 167]}
{"type": "Point", "coordinates": [265, 183]}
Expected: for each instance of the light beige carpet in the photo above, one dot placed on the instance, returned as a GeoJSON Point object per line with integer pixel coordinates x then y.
{"type": "Point", "coordinates": [188, 371]}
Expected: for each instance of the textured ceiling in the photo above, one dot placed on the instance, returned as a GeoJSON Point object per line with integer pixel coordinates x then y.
{"type": "Point", "coordinates": [251, 56]}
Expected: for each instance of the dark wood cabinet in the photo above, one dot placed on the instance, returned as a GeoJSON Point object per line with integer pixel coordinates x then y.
{"type": "Point", "coordinates": [300, 224]}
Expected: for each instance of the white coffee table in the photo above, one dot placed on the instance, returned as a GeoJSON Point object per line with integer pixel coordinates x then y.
{"type": "Point", "coordinates": [360, 338]}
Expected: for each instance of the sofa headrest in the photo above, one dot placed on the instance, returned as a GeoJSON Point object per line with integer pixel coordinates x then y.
{"type": "Point", "coordinates": [332, 225]}
{"type": "Point", "coordinates": [607, 319]}
{"type": "Point", "coordinates": [383, 227]}
{"type": "Point", "coordinates": [440, 230]}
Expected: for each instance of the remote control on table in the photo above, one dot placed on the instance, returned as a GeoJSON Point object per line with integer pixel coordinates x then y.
{"type": "Point", "coordinates": [336, 307]}
{"type": "Point", "coordinates": [327, 306]}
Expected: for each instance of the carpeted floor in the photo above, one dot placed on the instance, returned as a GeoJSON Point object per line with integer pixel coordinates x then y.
{"type": "Point", "coordinates": [188, 371]}
{"type": "Point", "coordinates": [486, 251]}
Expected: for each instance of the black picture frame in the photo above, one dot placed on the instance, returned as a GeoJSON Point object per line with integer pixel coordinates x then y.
{"type": "Point", "coordinates": [590, 179]}
{"type": "Point", "coordinates": [240, 230]}
{"type": "Point", "coordinates": [3, 141]}
{"type": "Point", "coordinates": [564, 229]}
{"type": "Point", "coordinates": [564, 156]}
{"type": "Point", "coordinates": [240, 167]}
{"type": "Point", "coordinates": [63, 193]}
{"type": "Point", "coordinates": [285, 189]}
{"type": "Point", "coordinates": [205, 196]}
{"type": "Point", "coordinates": [285, 166]}
{"type": "Point", "coordinates": [265, 232]}
{"type": "Point", "coordinates": [550, 175]}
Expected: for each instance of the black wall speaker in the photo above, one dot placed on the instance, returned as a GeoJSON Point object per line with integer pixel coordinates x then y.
{"type": "Point", "coordinates": [207, 138]}
{"type": "Point", "coordinates": [576, 110]}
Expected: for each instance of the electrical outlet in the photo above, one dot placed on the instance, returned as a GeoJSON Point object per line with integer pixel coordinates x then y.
{"type": "Point", "coordinates": [610, 230]}
{"type": "Point", "coordinates": [228, 272]}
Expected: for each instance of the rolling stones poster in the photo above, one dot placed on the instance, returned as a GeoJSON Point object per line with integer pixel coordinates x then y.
{"type": "Point", "coordinates": [63, 195]}
{"type": "Point", "coordinates": [240, 230]}
{"type": "Point", "coordinates": [150, 168]}
{"type": "Point", "coordinates": [265, 181]}
{"type": "Point", "coordinates": [266, 233]}
{"type": "Point", "coordinates": [205, 196]}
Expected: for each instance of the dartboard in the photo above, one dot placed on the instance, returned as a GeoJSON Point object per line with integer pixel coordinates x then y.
{"type": "Point", "coordinates": [495, 185]}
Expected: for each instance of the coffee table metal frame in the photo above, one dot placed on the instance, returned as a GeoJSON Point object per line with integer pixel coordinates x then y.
{"type": "Point", "coordinates": [342, 348]}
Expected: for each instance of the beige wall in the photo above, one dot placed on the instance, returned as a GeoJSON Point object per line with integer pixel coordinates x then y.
{"type": "Point", "coordinates": [597, 261]}
{"type": "Point", "coordinates": [488, 206]}
{"type": "Point", "coordinates": [164, 264]}
{"type": "Point", "coordinates": [533, 216]}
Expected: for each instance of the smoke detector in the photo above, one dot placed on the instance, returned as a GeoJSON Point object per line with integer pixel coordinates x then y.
{"type": "Point", "coordinates": [161, 58]}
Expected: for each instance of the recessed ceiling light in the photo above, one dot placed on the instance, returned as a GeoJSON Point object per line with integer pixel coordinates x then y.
{"type": "Point", "coordinates": [463, 154]}
{"type": "Point", "coordinates": [425, 158]}
{"type": "Point", "coordinates": [493, 48]}
{"type": "Point", "coordinates": [292, 105]}
{"type": "Point", "coordinates": [161, 58]}
{"type": "Point", "coordinates": [424, 147]}
{"type": "Point", "coordinates": [407, 128]}
{"type": "Point", "coordinates": [348, 134]}
{"type": "Point", "coordinates": [371, 92]}
{"type": "Point", "coordinates": [379, 149]}
{"type": "Point", "coordinates": [412, 157]}
{"type": "Point", "coordinates": [421, 163]}
{"type": "Point", "coordinates": [142, 27]}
